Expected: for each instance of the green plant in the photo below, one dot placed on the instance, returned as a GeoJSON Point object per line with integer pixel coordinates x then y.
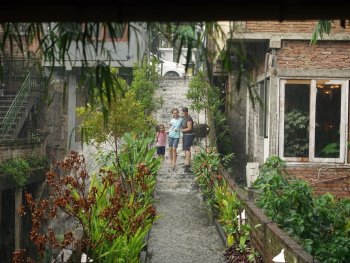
{"type": "Point", "coordinates": [126, 114]}
{"type": "Point", "coordinates": [199, 89]}
{"type": "Point", "coordinates": [322, 27]}
{"type": "Point", "coordinates": [225, 204]}
{"type": "Point", "coordinates": [121, 108]}
{"type": "Point", "coordinates": [206, 165]}
{"type": "Point", "coordinates": [205, 96]}
{"type": "Point", "coordinates": [331, 150]}
{"type": "Point", "coordinates": [19, 169]}
{"type": "Point", "coordinates": [296, 125]}
{"type": "Point", "coordinates": [114, 210]}
{"type": "Point", "coordinates": [145, 82]}
{"type": "Point", "coordinates": [321, 224]}
{"type": "Point", "coordinates": [228, 207]}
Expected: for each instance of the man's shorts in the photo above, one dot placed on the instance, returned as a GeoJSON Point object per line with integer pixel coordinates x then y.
{"type": "Point", "coordinates": [187, 141]}
{"type": "Point", "coordinates": [173, 142]}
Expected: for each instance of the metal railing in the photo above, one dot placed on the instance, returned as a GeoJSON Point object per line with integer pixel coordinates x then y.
{"type": "Point", "coordinates": [11, 116]}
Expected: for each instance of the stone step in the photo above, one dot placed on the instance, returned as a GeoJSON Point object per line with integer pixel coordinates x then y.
{"type": "Point", "coordinates": [176, 186]}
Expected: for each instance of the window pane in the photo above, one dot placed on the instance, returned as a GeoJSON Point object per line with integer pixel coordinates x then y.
{"type": "Point", "coordinates": [327, 130]}
{"type": "Point", "coordinates": [296, 120]}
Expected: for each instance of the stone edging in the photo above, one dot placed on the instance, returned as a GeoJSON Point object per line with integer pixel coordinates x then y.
{"type": "Point", "coordinates": [221, 232]}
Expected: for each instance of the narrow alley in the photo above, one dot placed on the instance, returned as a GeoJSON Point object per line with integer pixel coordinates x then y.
{"type": "Point", "coordinates": [183, 233]}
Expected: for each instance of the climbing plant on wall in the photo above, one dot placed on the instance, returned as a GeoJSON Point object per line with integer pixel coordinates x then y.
{"type": "Point", "coordinates": [19, 169]}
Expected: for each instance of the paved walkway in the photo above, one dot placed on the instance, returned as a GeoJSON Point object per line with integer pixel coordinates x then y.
{"type": "Point", "coordinates": [183, 234]}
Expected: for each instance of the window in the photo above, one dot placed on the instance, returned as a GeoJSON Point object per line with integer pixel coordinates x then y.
{"type": "Point", "coordinates": [313, 116]}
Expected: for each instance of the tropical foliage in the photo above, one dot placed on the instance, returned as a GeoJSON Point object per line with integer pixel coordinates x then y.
{"type": "Point", "coordinates": [64, 44]}
{"type": "Point", "coordinates": [224, 203]}
{"type": "Point", "coordinates": [108, 214]}
{"type": "Point", "coordinates": [320, 223]}
{"type": "Point", "coordinates": [144, 84]}
{"type": "Point", "coordinates": [296, 133]}
{"type": "Point", "coordinates": [128, 110]}
{"type": "Point", "coordinates": [206, 165]}
{"type": "Point", "coordinates": [19, 169]}
{"type": "Point", "coordinates": [204, 96]}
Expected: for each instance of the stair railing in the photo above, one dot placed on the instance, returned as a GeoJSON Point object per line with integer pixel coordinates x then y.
{"type": "Point", "coordinates": [11, 115]}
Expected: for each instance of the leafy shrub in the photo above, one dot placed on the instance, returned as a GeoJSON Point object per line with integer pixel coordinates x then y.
{"type": "Point", "coordinates": [224, 202]}
{"type": "Point", "coordinates": [296, 125]}
{"type": "Point", "coordinates": [113, 208]}
{"type": "Point", "coordinates": [19, 169]}
{"type": "Point", "coordinates": [321, 224]}
{"type": "Point", "coordinates": [206, 166]}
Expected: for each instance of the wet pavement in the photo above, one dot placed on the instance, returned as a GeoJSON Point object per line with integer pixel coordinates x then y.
{"type": "Point", "coordinates": [183, 233]}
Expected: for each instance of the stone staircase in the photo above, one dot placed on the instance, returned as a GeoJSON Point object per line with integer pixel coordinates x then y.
{"type": "Point", "coordinates": [183, 233]}
{"type": "Point", "coordinates": [15, 109]}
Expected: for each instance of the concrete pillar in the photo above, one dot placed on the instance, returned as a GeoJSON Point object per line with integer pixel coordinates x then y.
{"type": "Point", "coordinates": [72, 87]}
{"type": "Point", "coordinates": [18, 219]}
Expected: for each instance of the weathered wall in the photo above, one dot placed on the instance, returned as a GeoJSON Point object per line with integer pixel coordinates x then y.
{"type": "Point", "coordinates": [269, 239]}
{"type": "Point", "coordinates": [294, 57]}
{"type": "Point", "coordinates": [326, 59]}
{"type": "Point", "coordinates": [299, 54]}
{"type": "Point", "coordinates": [236, 117]}
{"type": "Point", "coordinates": [289, 26]}
{"type": "Point", "coordinates": [325, 179]}
{"type": "Point", "coordinates": [56, 116]}
{"type": "Point", "coordinates": [19, 149]}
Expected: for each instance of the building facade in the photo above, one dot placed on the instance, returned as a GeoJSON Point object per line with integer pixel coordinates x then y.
{"type": "Point", "coordinates": [37, 116]}
{"type": "Point", "coordinates": [295, 100]}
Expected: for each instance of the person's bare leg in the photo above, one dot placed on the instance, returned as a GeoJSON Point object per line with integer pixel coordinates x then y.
{"type": "Point", "coordinates": [188, 157]}
{"type": "Point", "coordinates": [171, 154]}
{"type": "Point", "coordinates": [174, 156]}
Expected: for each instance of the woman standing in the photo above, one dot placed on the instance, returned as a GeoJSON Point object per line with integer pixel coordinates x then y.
{"type": "Point", "coordinates": [174, 136]}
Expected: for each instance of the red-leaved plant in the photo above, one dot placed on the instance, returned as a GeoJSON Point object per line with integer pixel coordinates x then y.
{"type": "Point", "coordinates": [108, 213]}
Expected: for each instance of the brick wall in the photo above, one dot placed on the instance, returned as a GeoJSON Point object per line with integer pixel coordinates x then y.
{"type": "Point", "coordinates": [269, 239]}
{"type": "Point", "coordinates": [299, 54]}
{"type": "Point", "coordinates": [290, 27]}
{"type": "Point", "coordinates": [324, 179]}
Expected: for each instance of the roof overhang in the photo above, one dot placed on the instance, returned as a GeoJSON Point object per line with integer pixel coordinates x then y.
{"type": "Point", "coordinates": [168, 11]}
